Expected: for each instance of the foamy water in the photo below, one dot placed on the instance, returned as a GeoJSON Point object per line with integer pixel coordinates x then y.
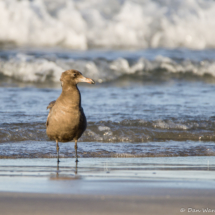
{"type": "Point", "coordinates": [42, 66]}
{"type": "Point", "coordinates": [111, 24]}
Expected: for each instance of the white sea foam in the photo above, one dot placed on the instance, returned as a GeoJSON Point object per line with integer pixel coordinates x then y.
{"type": "Point", "coordinates": [108, 23]}
{"type": "Point", "coordinates": [103, 128]}
{"type": "Point", "coordinates": [31, 23]}
{"type": "Point", "coordinates": [27, 68]}
{"type": "Point", "coordinates": [169, 125]}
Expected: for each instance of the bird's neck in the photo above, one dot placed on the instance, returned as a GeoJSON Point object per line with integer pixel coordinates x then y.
{"type": "Point", "coordinates": [71, 96]}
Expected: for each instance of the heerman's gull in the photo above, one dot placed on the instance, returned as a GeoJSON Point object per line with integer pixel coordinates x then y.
{"type": "Point", "coordinates": [66, 120]}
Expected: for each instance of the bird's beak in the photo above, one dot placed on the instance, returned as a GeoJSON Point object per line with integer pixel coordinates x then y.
{"type": "Point", "coordinates": [87, 80]}
{"type": "Point", "coordinates": [91, 81]}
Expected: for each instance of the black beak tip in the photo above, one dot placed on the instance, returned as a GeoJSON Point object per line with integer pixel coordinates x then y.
{"type": "Point", "coordinates": [93, 82]}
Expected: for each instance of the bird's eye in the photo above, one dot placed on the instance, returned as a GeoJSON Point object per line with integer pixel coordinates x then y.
{"type": "Point", "coordinates": [74, 75]}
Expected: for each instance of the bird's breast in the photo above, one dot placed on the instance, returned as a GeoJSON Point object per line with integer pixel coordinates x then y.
{"type": "Point", "coordinates": [66, 117]}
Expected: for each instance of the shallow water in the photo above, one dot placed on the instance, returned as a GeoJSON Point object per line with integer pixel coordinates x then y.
{"type": "Point", "coordinates": [47, 149]}
{"type": "Point", "coordinates": [113, 176]}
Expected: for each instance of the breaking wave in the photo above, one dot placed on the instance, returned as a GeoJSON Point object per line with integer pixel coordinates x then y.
{"type": "Point", "coordinates": [123, 131]}
{"type": "Point", "coordinates": [108, 23]}
{"type": "Point", "coordinates": [28, 68]}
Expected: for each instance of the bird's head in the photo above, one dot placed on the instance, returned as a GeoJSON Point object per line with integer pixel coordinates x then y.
{"type": "Point", "coordinates": [73, 77]}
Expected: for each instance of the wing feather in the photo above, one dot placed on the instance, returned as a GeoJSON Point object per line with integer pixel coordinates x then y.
{"type": "Point", "coordinates": [50, 106]}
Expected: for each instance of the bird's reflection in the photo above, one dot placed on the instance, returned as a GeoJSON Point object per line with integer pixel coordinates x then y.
{"type": "Point", "coordinates": [64, 176]}
{"type": "Point", "coordinates": [57, 172]}
{"type": "Point", "coordinates": [76, 168]}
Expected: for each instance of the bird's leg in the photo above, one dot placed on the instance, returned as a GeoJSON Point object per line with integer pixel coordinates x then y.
{"type": "Point", "coordinates": [76, 153]}
{"type": "Point", "coordinates": [57, 147]}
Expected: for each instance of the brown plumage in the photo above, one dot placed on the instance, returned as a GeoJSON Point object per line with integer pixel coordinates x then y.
{"type": "Point", "coordinates": [66, 120]}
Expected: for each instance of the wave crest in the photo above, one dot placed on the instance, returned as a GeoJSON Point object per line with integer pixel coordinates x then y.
{"type": "Point", "coordinates": [28, 68]}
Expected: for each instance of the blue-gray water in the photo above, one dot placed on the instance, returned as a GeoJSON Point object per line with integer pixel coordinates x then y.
{"type": "Point", "coordinates": [152, 102]}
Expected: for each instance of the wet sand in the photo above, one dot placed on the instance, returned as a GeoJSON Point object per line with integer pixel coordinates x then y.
{"type": "Point", "coordinates": [107, 185]}
{"type": "Point", "coordinates": [28, 203]}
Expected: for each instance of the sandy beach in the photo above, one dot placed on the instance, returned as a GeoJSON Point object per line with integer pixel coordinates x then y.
{"type": "Point", "coordinates": [108, 185]}
{"type": "Point", "coordinates": [28, 203]}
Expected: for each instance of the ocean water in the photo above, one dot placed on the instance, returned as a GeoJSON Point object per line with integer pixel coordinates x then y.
{"type": "Point", "coordinates": [132, 111]}
{"type": "Point", "coordinates": [153, 63]}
